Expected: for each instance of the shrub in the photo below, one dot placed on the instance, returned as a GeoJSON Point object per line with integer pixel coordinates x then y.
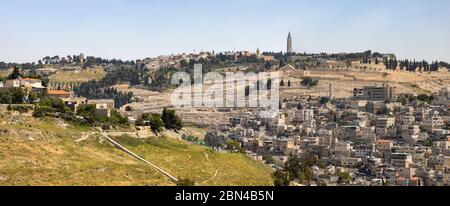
{"type": "Point", "coordinates": [185, 182]}
{"type": "Point", "coordinates": [12, 96]}
{"type": "Point", "coordinates": [191, 138]}
{"type": "Point", "coordinates": [20, 108]}
{"type": "Point", "coordinates": [425, 98]}
{"type": "Point", "coordinates": [234, 146]}
{"type": "Point", "coordinates": [39, 112]}
{"type": "Point", "coordinates": [268, 159]}
{"type": "Point", "coordinates": [117, 119]}
{"type": "Point", "coordinates": [87, 114]}
{"type": "Point", "coordinates": [324, 100]}
{"type": "Point", "coordinates": [309, 82]}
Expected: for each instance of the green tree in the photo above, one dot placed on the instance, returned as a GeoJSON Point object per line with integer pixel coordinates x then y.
{"type": "Point", "coordinates": [5, 97]}
{"type": "Point", "coordinates": [234, 146]}
{"type": "Point", "coordinates": [267, 65]}
{"type": "Point", "coordinates": [247, 91]}
{"type": "Point", "coordinates": [309, 82]}
{"type": "Point", "coordinates": [282, 63]}
{"type": "Point", "coordinates": [154, 121]}
{"type": "Point", "coordinates": [403, 99]}
{"type": "Point", "coordinates": [56, 105]}
{"type": "Point", "coordinates": [293, 167]}
{"type": "Point", "coordinates": [269, 84]}
{"type": "Point", "coordinates": [307, 174]}
{"type": "Point", "coordinates": [47, 106]}
{"type": "Point", "coordinates": [40, 111]}
{"type": "Point", "coordinates": [117, 119]}
{"type": "Point", "coordinates": [20, 108]}
{"type": "Point", "coordinates": [17, 95]}
{"type": "Point", "coordinates": [88, 111]}
{"type": "Point", "coordinates": [280, 178]}
{"type": "Point", "coordinates": [32, 97]}
{"type": "Point", "coordinates": [171, 120]}
{"type": "Point", "coordinates": [214, 140]}
{"type": "Point", "coordinates": [15, 74]}
{"type": "Point", "coordinates": [425, 98]}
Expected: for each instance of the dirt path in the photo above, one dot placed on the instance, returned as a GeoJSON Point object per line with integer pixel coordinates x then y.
{"type": "Point", "coordinates": [212, 178]}
{"type": "Point", "coordinates": [207, 156]}
{"type": "Point", "coordinates": [83, 138]}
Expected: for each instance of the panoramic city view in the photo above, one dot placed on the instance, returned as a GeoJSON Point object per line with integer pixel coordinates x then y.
{"type": "Point", "coordinates": [225, 93]}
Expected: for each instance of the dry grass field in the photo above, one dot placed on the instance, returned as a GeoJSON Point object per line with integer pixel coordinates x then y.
{"type": "Point", "coordinates": [344, 81]}
{"type": "Point", "coordinates": [80, 76]}
{"type": "Point", "coordinates": [49, 152]}
{"type": "Point", "coordinates": [203, 165]}
{"type": "Point", "coordinates": [5, 72]}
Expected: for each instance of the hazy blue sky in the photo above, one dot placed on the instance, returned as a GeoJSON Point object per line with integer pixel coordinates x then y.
{"type": "Point", "coordinates": [132, 29]}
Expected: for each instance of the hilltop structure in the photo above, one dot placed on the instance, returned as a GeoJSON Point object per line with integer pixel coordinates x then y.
{"type": "Point", "coordinates": [289, 44]}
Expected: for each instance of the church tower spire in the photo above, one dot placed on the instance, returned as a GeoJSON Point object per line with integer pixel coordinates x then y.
{"type": "Point", "coordinates": [289, 44]}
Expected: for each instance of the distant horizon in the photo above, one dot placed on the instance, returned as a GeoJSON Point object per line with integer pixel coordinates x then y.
{"type": "Point", "coordinates": [217, 52]}
{"type": "Point", "coordinates": [137, 29]}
